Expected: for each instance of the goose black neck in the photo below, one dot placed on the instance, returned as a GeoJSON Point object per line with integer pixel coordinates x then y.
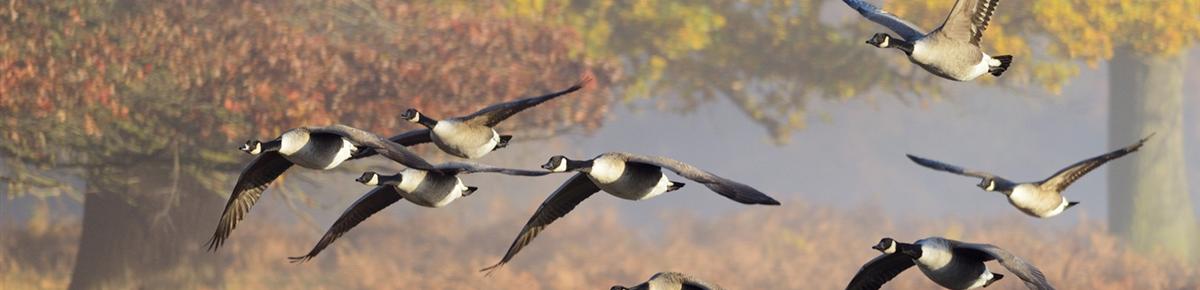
{"type": "Point", "coordinates": [579, 164]}
{"type": "Point", "coordinates": [272, 145]}
{"type": "Point", "coordinates": [902, 45]}
{"type": "Point", "coordinates": [1004, 187]}
{"type": "Point", "coordinates": [910, 250]}
{"type": "Point", "coordinates": [390, 179]}
{"type": "Point", "coordinates": [426, 121]}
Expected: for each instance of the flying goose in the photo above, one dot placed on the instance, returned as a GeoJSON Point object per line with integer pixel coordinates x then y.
{"type": "Point", "coordinates": [319, 148]}
{"type": "Point", "coordinates": [952, 50]}
{"type": "Point", "coordinates": [1041, 199]}
{"type": "Point", "coordinates": [624, 175]}
{"type": "Point", "coordinates": [472, 136]}
{"type": "Point", "coordinates": [423, 188]}
{"type": "Point", "coordinates": [949, 263]}
{"type": "Point", "coordinates": [671, 281]}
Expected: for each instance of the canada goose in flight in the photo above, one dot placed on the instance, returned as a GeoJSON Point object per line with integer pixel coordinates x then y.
{"type": "Point", "coordinates": [472, 136]}
{"type": "Point", "coordinates": [319, 148]}
{"type": "Point", "coordinates": [423, 188]}
{"type": "Point", "coordinates": [671, 281]}
{"type": "Point", "coordinates": [949, 263]}
{"type": "Point", "coordinates": [952, 50]}
{"type": "Point", "coordinates": [624, 175]}
{"type": "Point", "coordinates": [1041, 199]}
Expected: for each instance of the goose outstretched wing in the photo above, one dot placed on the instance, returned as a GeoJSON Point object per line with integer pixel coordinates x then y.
{"type": "Point", "coordinates": [879, 271]}
{"type": "Point", "coordinates": [494, 114]}
{"type": "Point", "coordinates": [255, 179]}
{"type": "Point", "coordinates": [905, 29]}
{"type": "Point", "coordinates": [467, 168]}
{"type": "Point", "coordinates": [385, 147]}
{"type": "Point", "coordinates": [1063, 178]}
{"type": "Point", "coordinates": [731, 189]}
{"type": "Point", "coordinates": [409, 138]}
{"type": "Point", "coordinates": [561, 202]}
{"type": "Point", "coordinates": [1034, 279]}
{"type": "Point", "coordinates": [968, 19]}
{"type": "Point", "coordinates": [370, 203]}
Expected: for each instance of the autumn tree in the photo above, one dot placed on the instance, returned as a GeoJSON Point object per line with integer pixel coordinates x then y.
{"type": "Point", "coordinates": [144, 102]}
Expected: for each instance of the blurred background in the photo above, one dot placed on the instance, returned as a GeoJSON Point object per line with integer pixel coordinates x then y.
{"type": "Point", "coordinates": [119, 121]}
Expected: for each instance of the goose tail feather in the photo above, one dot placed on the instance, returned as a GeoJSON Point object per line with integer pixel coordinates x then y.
{"type": "Point", "coordinates": [1005, 60]}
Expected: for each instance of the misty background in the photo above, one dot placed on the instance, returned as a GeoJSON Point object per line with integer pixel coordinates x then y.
{"type": "Point", "coordinates": [826, 138]}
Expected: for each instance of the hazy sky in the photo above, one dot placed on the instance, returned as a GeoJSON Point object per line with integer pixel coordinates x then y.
{"type": "Point", "coordinates": [857, 156]}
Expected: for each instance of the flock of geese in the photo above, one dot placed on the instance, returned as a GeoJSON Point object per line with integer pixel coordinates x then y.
{"type": "Point", "coordinates": [950, 51]}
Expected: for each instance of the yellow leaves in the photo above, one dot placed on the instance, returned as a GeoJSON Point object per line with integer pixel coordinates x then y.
{"type": "Point", "coordinates": [1079, 28]}
{"type": "Point", "coordinates": [999, 41]}
{"type": "Point", "coordinates": [597, 33]}
{"type": "Point", "coordinates": [1161, 27]}
{"type": "Point", "coordinates": [89, 126]}
{"type": "Point", "coordinates": [696, 32]}
{"type": "Point", "coordinates": [927, 14]}
{"type": "Point", "coordinates": [1053, 75]}
{"type": "Point", "coordinates": [527, 8]}
{"type": "Point", "coordinates": [1090, 30]}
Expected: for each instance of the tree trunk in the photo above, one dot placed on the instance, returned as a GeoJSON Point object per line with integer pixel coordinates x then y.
{"type": "Point", "coordinates": [1149, 203]}
{"type": "Point", "coordinates": [124, 245]}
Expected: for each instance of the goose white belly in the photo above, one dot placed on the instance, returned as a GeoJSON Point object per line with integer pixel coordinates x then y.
{"type": "Point", "coordinates": [611, 176]}
{"type": "Point", "coordinates": [342, 154]}
{"type": "Point", "coordinates": [944, 64]}
{"type": "Point", "coordinates": [939, 265]}
{"type": "Point", "coordinates": [1032, 201]}
{"type": "Point", "coordinates": [313, 153]}
{"type": "Point", "coordinates": [421, 188]}
{"type": "Point", "coordinates": [464, 140]}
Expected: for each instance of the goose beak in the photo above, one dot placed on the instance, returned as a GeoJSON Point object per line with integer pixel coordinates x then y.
{"type": "Point", "coordinates": [878, 247]}
{"type": "Point", "coordinates": [547, 166]}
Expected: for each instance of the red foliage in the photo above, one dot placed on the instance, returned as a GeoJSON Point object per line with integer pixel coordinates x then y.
{"type": "Point", "coordinates": [238, 70]}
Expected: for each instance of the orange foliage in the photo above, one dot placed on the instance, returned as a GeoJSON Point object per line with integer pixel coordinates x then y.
{"type": "Point", "coordinates": [138, 70]}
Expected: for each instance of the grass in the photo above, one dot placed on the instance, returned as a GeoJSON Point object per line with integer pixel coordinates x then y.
{"type": "Point", "coordinates": [794, 247]}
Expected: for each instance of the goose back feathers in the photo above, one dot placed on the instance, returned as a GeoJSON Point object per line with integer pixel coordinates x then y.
{"type": "Point", "coordinates": [635, 177]}
{"type": "Point", "coordinates": [671, 281]}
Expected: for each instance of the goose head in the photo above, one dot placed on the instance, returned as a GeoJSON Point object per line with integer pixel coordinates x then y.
{"type": "Point", "coordinates": [890, 246]}
{"type": "Point", "coordinates": [368, 178]}
{"type": "Point", "coordinates": [558, 163]}
{"type": "Point", "coordinates": [252, 147]}
{"type": "Point", "coordinates": [411, 115]}
{"type": "Point", "coordinates": [987, 184]}
{"type": "Point", "coordinates": [880, 40]}
{"type": "Point", "coordinates": [886, 245]}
